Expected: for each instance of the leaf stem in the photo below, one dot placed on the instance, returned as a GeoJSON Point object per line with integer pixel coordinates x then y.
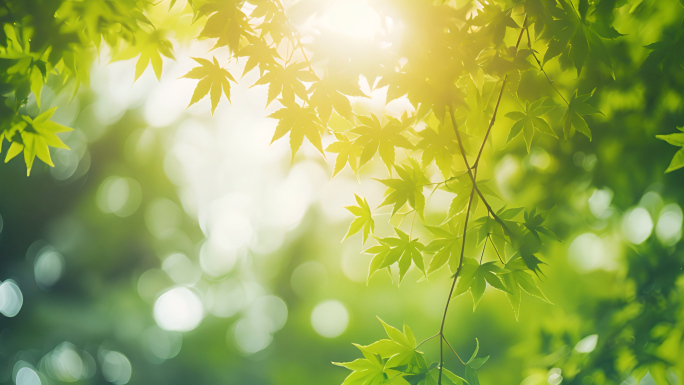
{"type": "Point", "coordinates": [453, 350]}
{"type": "Point", "coordinates": [298, 39]}
{"type": "Point", "coordinates": [483, 249]}
{"type": "Point", "coordinates": [541, 68]}
{"type": "Point", "coordinates": [426, 340]}
{"type": "Point", "coordinates": [497, 251]}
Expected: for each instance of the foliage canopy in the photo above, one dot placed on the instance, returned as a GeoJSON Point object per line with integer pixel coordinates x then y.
{"type": "Point", "coordinates": [472, 76]}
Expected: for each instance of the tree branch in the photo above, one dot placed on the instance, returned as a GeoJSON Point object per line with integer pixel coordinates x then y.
{"type": "Point", "coordinates": [473, 177]}
{"type": "Point", "coordinates": [453, 285]}
{"type": "Point", "coordinates": [474, 188]}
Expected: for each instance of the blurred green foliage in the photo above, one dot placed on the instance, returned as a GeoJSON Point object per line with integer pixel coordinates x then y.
{"type": "Point", "coordinates": [180, 252]}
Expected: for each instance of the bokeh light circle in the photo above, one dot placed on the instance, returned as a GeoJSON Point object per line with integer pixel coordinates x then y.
{"type": "Point", "coordinates": [330, 318]}
{"type": "Point", "coordinates": [179, 309]}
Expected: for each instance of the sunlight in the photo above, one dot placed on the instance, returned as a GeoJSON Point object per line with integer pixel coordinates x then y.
{"type": "Point", "coordinates": [353, 18]}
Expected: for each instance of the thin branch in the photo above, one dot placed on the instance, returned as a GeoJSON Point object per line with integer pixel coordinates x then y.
{"type": "Point", "coordinates": [301, 48]}
{"type": "Point", "coordinates": [433, 190]}
{"type": "Point", "coordinates": [465, 159]}
{"type": "Point", "coordinates": [453, 350]}
{"type": "Point", "coordinates": [498, 101]}
{"type": "Point", "coordinates": [491, 211]}
{"type": "Point", "coordinates": [470, 202]}
{"type": "Point", "coordinates": [483, 249]}
{"type": "Point", "coordinates": [404, 217]}
{"type": "Point", "coordinates": [497, 251]}
{"type": "Point", "coordinates": [541, 68]}
{"type": "Point", "coordinates": [484, 141]}
{"type": "Point", "coordinates": [426, 340]}
{"type": "Point", "coordinates": [412, 222]}
{"type": "Point", "coordinates": [453, 283]}
{"type": "Point", "coordinates": [298, 39]}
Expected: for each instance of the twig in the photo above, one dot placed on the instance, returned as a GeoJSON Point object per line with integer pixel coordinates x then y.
{"type": "Point", "coordinates": [541, 68]}
{"type": "Point", "coordinates": [498, 101]}
{"type": "Point", "coordinates": [470, 173]}
{"type": "Point", "coordinates": [453, 285]}
{"type": "Point", "coordinates": [483, 249]}
{"type": "Point", "coordinates": [298, 39]}
{"type": "Point", "coordinates": [497, 251]}
{"type": "Point", "coordinates": [412, 222]}
{"type": "Point", "coordinates": [470, 201]}
{"type": "Point", "coordinates": [453, 350]}
{"type": "Point", "coordinates": [426, 340]}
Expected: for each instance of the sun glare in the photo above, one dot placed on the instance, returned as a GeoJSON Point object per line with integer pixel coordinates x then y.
{"type": "Point", "coordinates": [353, 18]}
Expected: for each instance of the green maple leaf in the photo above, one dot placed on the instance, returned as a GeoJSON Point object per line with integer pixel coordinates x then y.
{"type": "Point", "coordinates": [439, 145]}
{"type": "Point", "coordinates": [347, 153]}
{"type": "Point", "coordinates": [667, 53]}
{"type": "Point", "coordinates": [462, 185]}
{"type": "Point", "coordinates": [573, 119]}
{"type": "Point", "coordinates": [399, 349]}
{"type": "Point", "coordinates": [604, 14]}
{"type": "Point", "coordinates": [446, 246]}
{"type": "Point", "coordinates": [474, 277]}
{"type": "Point", "coordinates": [300, 122]}
{"type": "Point", "coordinates": [264, 8]}
{"type": "Point", "coordinates": [516, 279]}
{"type": "Point", "coordinates": [259, 54]}
{"type": "Point", "coordinates": [571, 36]}
{"type": "Point", "coordinates": [94, 20]}
{"type": "Point", "coordinates": [277, 28]}
{"type": "Point", "coordinates": [213, 79]}
{"type": "Point", "coordinates": [676, 140]}
{"type": "Point", "coordinates": [77, 61]}
{"type": "Point", "coordinates": [394, 360]}
{"type": "Point", "coordinates": [287, 81]}
{"type": "Point", "coordinates": [473, 364]}
{"type": "Point", "coordinates": [385, 360]}
{"type": "Point", "coordinates": [495, 21]}
{"type": "Point", "coordinates": [534, 221]}
{"type": "Point", "coordinates": [392, 250]}
{"type": "Point", "coordinates": [367, 370]}
{"type": "Point", "coordinates": [331, 93]}
{"type": "Point", "coordinates": [488, 227]}
{"type": "Point", "coordinates": [496, 232]}
{"type": "Point", "coordinates": [30, 67]}
{"type": "Point", "coordinates": [364, 219]}
{"type": "Point", "coordinates": [479, 102]}
{"type": "Point", "coordinates": [455, 379]}
{"type": "Point", "coordinates": [374, 137]}
{"type": "Point", "coordinates": [529, 120]}
{"type": "Point", "coordinates": [511, 61]}
{"type": "Point", "coordinates": [435, 92]}
{"type": "Point", "coordinates": [33, 136]}
{"type": "Point", "coordinates": [153, 46]}
{"type": "Point", "coordinates": [407, 188]}
{"type": "Point", "coordinates": [227, 22]}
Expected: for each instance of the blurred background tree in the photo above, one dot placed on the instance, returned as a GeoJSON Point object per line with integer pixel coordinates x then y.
{"type": "Point", "coordinates": [167, 245]}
